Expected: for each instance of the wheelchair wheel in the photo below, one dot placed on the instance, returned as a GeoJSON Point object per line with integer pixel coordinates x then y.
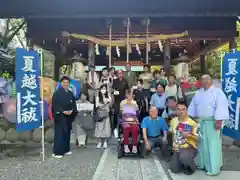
{"type": "Point", "coordinates": [120, 149]}
{"type": "Point", "coordinates": [142, 149]}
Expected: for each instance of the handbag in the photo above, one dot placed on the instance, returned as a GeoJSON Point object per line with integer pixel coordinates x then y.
{"type": "Point", "coordinates": [101, 114]}
{"type": "Point", "coordinates": [86, 120]}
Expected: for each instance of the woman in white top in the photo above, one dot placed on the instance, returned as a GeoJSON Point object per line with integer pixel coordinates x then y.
{"type": "Point", "coordinates": [103, 127]}
{"type": "Point", "coordinates": [172, 89]}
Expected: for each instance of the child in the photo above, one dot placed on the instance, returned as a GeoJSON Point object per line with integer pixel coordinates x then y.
{"type": "Point", "coordinates": [129, 121]}
{"type": "Point", "coordinates": [85, 109]}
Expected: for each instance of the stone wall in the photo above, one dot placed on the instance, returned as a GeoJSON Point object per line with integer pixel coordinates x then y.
{"type": "Point", "coordinates": [8, 134]}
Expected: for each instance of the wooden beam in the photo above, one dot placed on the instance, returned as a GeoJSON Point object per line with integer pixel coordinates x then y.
{"type": "Point", "coordinates": [206, 50]}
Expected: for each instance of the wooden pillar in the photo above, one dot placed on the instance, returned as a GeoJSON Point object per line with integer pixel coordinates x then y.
{"type": "Point", "coordinates": [202, 59]}
{"type": "Point", "coordinates": [232, 44]}
{"type": "Point", "coordinates": [57, 65]}
{"type": "Point", "coordinates": [167, 57]}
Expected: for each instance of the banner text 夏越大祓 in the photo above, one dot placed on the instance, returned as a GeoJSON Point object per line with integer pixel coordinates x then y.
{"type": "Point", "coordinates": [231, 87]}
{"type": "Point", "coordinates": [28, 90]}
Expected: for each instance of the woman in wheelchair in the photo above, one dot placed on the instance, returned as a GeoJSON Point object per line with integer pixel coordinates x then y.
{"type": "Point", "coordinates": [129, 121]}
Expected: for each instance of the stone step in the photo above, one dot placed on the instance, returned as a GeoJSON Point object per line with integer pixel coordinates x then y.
{"type": "Point", "coordinates": [127, 168]}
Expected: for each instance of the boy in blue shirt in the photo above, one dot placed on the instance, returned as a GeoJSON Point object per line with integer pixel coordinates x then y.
{"type": "Point", "coordinates": [155, 129]}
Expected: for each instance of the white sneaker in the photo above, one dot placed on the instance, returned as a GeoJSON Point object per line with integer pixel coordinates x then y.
{"type": "Point", "coordinates": [134, 149]}
{"type": "Point", "coordinates": [126, 149]}
{"type": "Point", "coordinates": [57, 156]}
{"type": "Point", "coordinates": [99, 145]}
{"type": "Point", "coordinates": [115, 132]}
{"type": "Point", "coordinates": [68, 153]}
{"type": "Point", "coordinates": [105, 145]}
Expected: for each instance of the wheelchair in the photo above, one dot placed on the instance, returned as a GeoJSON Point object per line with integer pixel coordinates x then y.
{"type": "Point", "coordinates": [120, 145]}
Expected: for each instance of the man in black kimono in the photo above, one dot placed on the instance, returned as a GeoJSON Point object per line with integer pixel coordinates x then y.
{"type": "Point", "coordinates": [64, 112]}
{"type": "Point", "coordinates": [120, 85]}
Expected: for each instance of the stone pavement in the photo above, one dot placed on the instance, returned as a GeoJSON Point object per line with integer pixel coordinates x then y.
{"type": "Point", "coordinates": [224, 175]}
{"type": "Point", "coordinates": [128, 168]}
{"type": "Point", "coordinates": [93, 164]}
{"type": "Point", "coordinates": [149, 168]}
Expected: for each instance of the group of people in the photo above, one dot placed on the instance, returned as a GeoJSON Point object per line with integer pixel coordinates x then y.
{"type": "Point", "coordinates": [187, 128]}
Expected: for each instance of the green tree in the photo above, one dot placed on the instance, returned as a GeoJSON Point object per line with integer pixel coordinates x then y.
{"type": "Point", "coordinates": [13, 28]}
{"type": "Point", "coordinates": [12, 37]}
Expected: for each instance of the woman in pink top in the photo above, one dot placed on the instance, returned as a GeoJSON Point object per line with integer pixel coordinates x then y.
{"type": "Point", "coordinates": [129, 121]}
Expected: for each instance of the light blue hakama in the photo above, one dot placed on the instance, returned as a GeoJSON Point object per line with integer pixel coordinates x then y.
{"type": "Point", "coordinates": [207, 106]}
{"type": "Point", "coordinates": [209, 155]}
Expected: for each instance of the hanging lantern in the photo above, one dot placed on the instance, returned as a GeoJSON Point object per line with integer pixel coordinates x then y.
{"type": "Point", "coordinates": [118, 51]}
{"type": "Point", "coordinates": [129, 49]}
{"type": "Point", "coordinates": [160, 45]}
{"type": "Point", "coordinates": [149, 47]}
{"type": "Point", "coordinates": [108, 51]}
{"type": "Point", "coordinates": [97, 49]}
{"type": "Point", "coordinates": [138, 49]}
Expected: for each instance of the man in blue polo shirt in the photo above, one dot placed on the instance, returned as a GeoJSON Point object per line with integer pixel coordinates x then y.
{"type": "Point", "coordinates": [155, 131]}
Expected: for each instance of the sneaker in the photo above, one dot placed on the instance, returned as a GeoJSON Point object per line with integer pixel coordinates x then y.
{"type": "Point", "coordinates": [99, 145]}
{"type": "Point", "coordinates": [105, 145]}
{"type": "Point", "coordinates": [126, 149]}
{"type": "Point", "coordinates": [68, 153]}
{"type": "Point", "coordinates": [134, 149]}
{"type": "Point", "coordinates": [57, 156]}
{"type": "Point", "coordinates": [115, 132]}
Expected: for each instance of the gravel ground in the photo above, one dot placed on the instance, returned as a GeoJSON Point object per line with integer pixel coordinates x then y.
{"type": "Point", "coordinates": [25, 164]}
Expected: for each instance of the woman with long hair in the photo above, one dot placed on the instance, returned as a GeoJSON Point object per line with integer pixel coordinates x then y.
{"type": "Point", "coordinates": [105, 78]}
{"type": "Point", "coordinates": [103, 126]}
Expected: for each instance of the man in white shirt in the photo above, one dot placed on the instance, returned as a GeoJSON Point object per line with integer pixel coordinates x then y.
{"type": "Point", "coordinates": [93, 80]}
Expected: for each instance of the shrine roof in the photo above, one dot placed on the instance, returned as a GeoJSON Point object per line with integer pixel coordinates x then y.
{"type": "Point", "coordinates": [122, 8]}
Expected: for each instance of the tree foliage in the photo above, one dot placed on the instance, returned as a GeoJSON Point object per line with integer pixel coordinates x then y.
{"type": "Point", "coordinates": [214, 57]}
{"type": "Point", "coordinates": [13, 36]}
{"type": "Point", "coordinates": [15, 28]}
